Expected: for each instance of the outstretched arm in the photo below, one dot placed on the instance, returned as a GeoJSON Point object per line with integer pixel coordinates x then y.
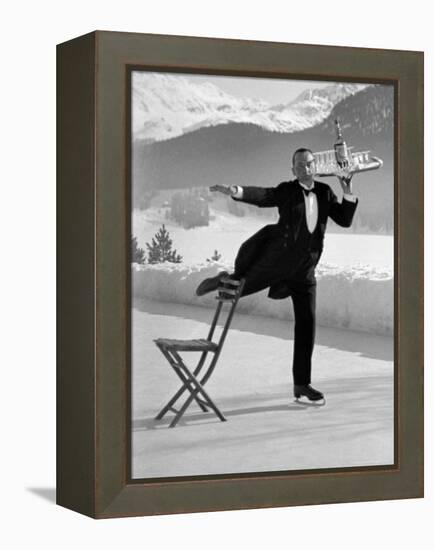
{"type": "Point", "coordinates": [258, 196]}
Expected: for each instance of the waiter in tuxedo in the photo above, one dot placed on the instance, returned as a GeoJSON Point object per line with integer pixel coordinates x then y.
{"type": "Point", "coordinates": [283, 257]}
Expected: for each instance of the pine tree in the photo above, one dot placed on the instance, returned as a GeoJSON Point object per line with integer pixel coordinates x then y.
{"type": "Point", "coordinates": [160, 250]}
{"type": "Point", "coordinates": [137, 253]}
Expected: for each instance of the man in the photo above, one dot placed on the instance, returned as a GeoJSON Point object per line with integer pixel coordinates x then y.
{"type": "Point", "coordinates": [284, 256]}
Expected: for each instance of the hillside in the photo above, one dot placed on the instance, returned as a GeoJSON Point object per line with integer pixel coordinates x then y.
{"type": "Point", "coordinates": [246, 154]}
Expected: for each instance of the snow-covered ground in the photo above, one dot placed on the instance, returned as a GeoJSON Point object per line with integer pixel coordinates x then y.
{"type": "Point", "coordinates": [265, 429]}
{"type": "Point", "coordinates": [355, 275]}
{"type": "Point", "coordinates": [226, 233]}
{"type": "Point", "coordinates": [354, 298]}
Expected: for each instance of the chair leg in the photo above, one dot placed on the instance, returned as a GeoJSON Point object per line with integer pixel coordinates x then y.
{"type": "Point", "coordinates": [193, 395]}
{"type": "Point", "coordinates": [177, 395]}
{"type": "Point", "coordinates": [185, 382]}
{"type": "Point", "coordinates": [186, 405]}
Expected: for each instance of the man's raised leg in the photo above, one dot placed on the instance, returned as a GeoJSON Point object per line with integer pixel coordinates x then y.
{"type": "Point", "coordinates": [247, 254]}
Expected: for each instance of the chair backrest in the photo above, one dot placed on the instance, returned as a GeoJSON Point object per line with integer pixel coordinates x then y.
{"type": "Point", "coordinates": [229, 291]}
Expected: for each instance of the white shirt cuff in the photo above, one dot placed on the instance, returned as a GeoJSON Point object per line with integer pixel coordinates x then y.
{"type": "Point", "coordinates": [237, 192]}
{"type": "Point", "coordinates": [351, 198]}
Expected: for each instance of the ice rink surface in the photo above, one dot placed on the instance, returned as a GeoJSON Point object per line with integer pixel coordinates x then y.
{"type": "Point", "coordinates": [266, 430]}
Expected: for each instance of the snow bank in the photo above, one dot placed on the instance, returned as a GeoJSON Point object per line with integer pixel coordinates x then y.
{"type": "Point", "coordinates": [357, 299]}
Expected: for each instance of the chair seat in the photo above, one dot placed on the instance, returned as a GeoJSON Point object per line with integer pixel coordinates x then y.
{"type": "Point", "coordinates": [186, 345]}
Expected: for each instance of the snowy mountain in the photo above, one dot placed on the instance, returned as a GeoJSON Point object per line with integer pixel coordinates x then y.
{"type": "Point", "coordinates": [166, 106]}
{"type": "Point", "coordinates": [247, 154]}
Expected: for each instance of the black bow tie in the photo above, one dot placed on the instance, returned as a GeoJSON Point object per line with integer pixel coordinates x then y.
{"type": "Point", "coordinates": [307, 191]}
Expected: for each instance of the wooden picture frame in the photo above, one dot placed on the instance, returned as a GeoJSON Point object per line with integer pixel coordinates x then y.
{"type": "Point", "coordinates": [93, 378]}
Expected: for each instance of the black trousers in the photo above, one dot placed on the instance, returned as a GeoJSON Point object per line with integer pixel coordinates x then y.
{"type": "Point", "coordinates": [262, 263]}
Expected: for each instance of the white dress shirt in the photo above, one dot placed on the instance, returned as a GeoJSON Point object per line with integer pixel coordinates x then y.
{"type": "Point", "coordinates": [310, 202]}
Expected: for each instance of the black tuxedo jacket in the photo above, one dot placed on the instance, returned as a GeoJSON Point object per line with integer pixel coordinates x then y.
{"type": "Point", "coordinates": [288, 197]}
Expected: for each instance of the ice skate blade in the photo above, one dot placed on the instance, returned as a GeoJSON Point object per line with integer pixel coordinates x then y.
{"type": "Point", "coordinates": [318, 403]}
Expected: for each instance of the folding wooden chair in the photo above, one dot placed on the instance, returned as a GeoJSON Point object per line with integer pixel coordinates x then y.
{"type": "Point", "coordinates": [193, 381]}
